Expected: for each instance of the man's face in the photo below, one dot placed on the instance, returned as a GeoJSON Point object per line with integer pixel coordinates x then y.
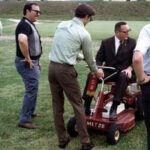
{"type": "Point", "coordinates": [34, 13]}
{"type": "Point", "coordinates": [123, 33]}
{"type": "Point", "coordinates": [87, 19]}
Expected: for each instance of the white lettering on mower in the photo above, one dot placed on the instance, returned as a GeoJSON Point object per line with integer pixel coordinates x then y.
{"type": "Point", "coordinates": [95, 124]}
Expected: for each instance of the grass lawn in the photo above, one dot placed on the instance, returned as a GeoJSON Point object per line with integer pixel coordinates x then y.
{"type": "Point", "coordinates": [12, 91]}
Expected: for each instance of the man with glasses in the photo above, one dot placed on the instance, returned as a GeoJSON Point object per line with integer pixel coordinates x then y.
{"type": "Point", "coordinates": [115, 52]}
{"type": "Point", "coordinates": [27, 62]}
{"type": "Point", "coordinates": [70, 38]}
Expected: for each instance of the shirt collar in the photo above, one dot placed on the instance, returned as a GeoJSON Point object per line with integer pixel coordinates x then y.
{"type": "Point", "coordinates": [78, 21]}
{"type": "Point", "coordinates": [117, 40]}
{"type": "Point", "coordinates": [28, 20]}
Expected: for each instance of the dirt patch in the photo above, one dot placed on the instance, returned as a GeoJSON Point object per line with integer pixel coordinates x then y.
{"type": "Point", "coordinates": [7, 37]}
{"type": "Point", "coordinates": [12, 37]}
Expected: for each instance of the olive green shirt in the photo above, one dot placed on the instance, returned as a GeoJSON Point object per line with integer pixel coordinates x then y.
{"type": "Point", "coordinates": [70, 38]}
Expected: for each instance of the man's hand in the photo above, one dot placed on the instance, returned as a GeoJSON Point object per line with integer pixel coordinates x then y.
{"type": "Point", "coordinates": [99, 74]}
{"type": "Point", "coordinates": [128, 72]}
{"type": "Point", "coordinates": [145, 79]}
{"type": "Point", "coordinates": [29, 61]}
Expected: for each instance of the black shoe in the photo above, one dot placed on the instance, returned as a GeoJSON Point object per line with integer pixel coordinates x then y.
{"type": "Point", "coordinates": [112, 115]}
{"type": "Point", "coordinates": [87, 146]}
{"type": "Point", "coordinates": [65, 144]}
{"type": "Point", "coordinates": [87, 111]}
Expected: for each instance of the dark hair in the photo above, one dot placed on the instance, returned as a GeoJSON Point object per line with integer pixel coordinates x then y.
{"type": "Point", "coordinates": [84, 9]}
{"type": "Point", "coordinates": [118, 25]}
{"type": "Point", "coordinates": [28, 6]}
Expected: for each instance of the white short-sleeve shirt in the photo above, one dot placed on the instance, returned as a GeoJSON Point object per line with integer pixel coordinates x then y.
{"type": "Point", "coordinates": [143, 45]}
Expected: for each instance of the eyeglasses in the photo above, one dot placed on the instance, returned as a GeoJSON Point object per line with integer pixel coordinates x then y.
{"type": "Point", "coordinates": [125, 32]}
{"type": "Point", "coordinates": [37, 11]}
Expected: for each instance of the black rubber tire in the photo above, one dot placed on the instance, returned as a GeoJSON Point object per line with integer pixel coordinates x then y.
{"type": "Point", "coordinates": [139, 115]}
{"type": "Point", "coordinates": [114, 134]}
{"type": "Point", "coordinates": [71, 127]}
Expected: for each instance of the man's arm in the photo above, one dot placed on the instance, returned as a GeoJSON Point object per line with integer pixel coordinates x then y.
{"type": "Point", "coordinates": [89, 58]}
{"type": "Point", "coordinates": [139, 68]}
{"type": "Point", "coordinates": [23, 43]}
{"type": "Point", "coordinates": [88, 54]}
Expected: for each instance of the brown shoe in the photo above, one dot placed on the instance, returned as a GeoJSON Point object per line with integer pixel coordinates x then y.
{"type": "Point", "coordinates": [27, 125]}
{"type": "Point", "coordinates": [65, 144]}
{"type": "Point", "coordinates": [37, 115]}
{"type": "Point", "coordinates": [87, 146]}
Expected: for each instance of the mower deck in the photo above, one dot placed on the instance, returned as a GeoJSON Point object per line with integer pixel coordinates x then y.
{"type": "Point", "coordinates": [125, 119]}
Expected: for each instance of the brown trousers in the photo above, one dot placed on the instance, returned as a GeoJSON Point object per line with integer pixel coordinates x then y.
{"type": "Point", "coordinates": [63, 79]}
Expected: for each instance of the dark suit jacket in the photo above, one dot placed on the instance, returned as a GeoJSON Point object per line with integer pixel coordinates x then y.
{"type": "Point", "coordinates": [122, 60]}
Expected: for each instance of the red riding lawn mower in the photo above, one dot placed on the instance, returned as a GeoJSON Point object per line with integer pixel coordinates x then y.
{"type": "Point", "coordinates": [127, 111]}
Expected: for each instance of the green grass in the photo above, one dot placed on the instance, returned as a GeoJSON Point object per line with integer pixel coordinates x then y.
{"type": "Point", "coordinates": [12, 90]}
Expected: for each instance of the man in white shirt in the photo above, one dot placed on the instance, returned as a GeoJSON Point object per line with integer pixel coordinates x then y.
{"type": "Point", "coordinates": [141, 64]}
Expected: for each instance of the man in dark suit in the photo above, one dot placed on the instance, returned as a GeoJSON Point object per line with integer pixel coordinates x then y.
{"type": "Point", "coordinates": [117, 52]}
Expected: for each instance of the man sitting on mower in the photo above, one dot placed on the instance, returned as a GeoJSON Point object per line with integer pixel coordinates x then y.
{"type": "Point", "coordinates": [117, 52]}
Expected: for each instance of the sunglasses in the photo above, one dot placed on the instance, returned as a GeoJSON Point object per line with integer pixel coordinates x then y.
{"type": "Point", "coordinates": [126, 31]}
{"type": "Point", "coordinates": [37, 11]}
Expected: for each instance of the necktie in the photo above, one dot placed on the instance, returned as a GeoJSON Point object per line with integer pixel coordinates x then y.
{"type": "Point", "coordinates": [121, 43]}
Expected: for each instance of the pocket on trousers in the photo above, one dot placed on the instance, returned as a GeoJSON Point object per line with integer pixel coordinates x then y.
{"type": "Point", "coordinates": [74, 74]}
{"type": "Point", "coordinates": [21, 66]}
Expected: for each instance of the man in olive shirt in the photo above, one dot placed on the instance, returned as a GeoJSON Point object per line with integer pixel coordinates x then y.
{"type": "Point", "coordinates": [70, 37]}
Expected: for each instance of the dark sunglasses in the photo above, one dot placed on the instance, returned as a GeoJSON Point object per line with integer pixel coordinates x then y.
{"type": "Point", "coordinates": [37, 11]}
{"type": "Point", "coordinates": [126, 31]}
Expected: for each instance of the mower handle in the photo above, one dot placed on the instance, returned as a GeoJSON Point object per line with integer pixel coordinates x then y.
{"type": "Point", "coordinates": [106, 67]}
{"type": "Point", "coordinates": [108, 77]}
{"type": "Point", "coordinates": [103, 67]}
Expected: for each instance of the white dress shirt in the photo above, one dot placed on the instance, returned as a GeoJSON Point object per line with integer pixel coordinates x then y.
{"type": "Point", "coordinates": [117, 44]}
